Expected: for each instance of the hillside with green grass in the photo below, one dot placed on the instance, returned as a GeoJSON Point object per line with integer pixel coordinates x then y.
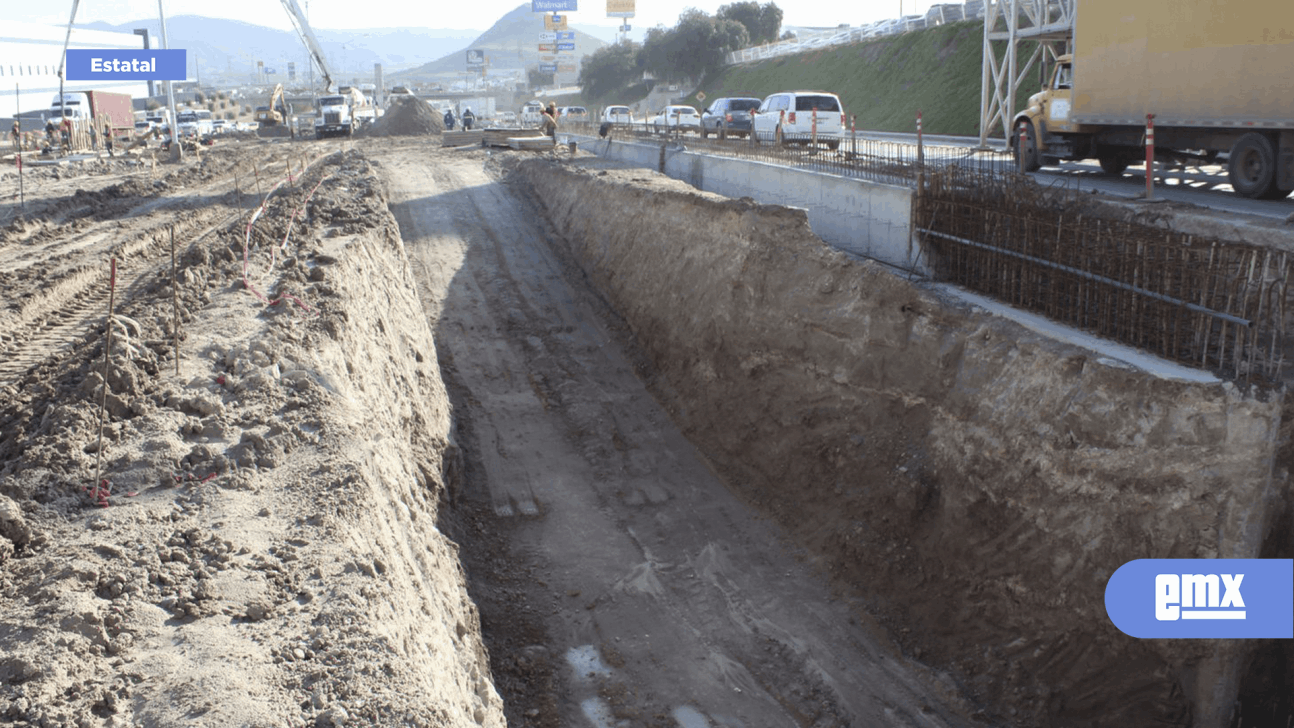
{"type": "Point", "coordinates": [883, 81]}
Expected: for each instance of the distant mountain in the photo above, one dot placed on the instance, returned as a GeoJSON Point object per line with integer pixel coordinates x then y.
{"type": "Point", "coordinates": [511, 43]}
{"type": "Point", "coordinates": [230, 48]}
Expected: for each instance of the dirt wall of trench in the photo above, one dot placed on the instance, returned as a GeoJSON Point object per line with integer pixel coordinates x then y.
{"type": "Point", "coordinates": [979, 483]}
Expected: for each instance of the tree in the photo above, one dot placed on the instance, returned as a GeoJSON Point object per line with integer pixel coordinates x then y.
{"type": "Point", "coordinates": [609, 69]}
{"type": "Point", "coordinates": [770, 21]}
{"type": "Point", "coordinates": [538, 79]}
{"type": "Point", "coordinates": [761, 22]}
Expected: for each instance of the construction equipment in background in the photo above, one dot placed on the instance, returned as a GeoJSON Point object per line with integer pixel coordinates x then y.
{"type": "Point", "coordinates": [275, 120]}
{"type": "Point", "coordinates": [343, 113]}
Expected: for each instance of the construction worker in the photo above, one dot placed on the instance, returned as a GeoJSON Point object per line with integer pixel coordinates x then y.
{"type": "Point", "coordinates": [16, 134]}
{"type": "Point", "coordinates": [449, 119]}
{"type": "Point", "coordinates": [468, 118]}
{"type": "Point", "coordinates": [67, 133]}
{"type": "Point", "coordinates": [50, 130]}
{"type": "Point", "coordinates": [550, 120]}
{"type": "Point", "coordinates": [107, 137]}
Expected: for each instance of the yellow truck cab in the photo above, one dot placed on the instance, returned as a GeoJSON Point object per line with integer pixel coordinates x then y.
{"type": "Point", "coordinates": [1218, 85]}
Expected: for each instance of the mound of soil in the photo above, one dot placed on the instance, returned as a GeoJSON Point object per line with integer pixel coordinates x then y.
{"type": "Point", "coordinates": [408, 116]}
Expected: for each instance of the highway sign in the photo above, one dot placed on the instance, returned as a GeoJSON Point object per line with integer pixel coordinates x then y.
{"type": "Point", "coordinates": [620, 8]}
{"type": "Point", "coordinates": [547, 36]}
{"type": "Point", "coordinates": [566, 67]}
{"type": "Point", "coordinates": [548, 68]}
{"type": "Point", "coordinates": [548, 59]}
{"type": "Point", "coordinates": [475, 57]}
{"type": "Point", "coordinates": [565, 46]}
{"type": "Point", "coordinates": [625, 28]}
{"type": "Point", "coordinates": [565, 35]}
{"type": "Point", "coordinates": [545, 47]}
{"type": "Point", "coordinates": [553, 6]}
{"type": "Point", "coordinates": [554, 22]}
{"type": "Point", "coordinates": [700, 96]}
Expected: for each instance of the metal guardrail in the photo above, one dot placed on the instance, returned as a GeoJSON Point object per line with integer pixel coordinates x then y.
{"type": "Point", "coordinates": [937, 15]}
{"type": "Point", "coordinates": [855, 155]}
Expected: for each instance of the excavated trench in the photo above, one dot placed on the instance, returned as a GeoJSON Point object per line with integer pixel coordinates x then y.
{"type": "Point", "coordinates": [974, 482]}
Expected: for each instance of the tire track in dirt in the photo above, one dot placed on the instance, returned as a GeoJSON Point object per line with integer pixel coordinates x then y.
{"type": "Point", "coordinates": [65, 291]}
{"type": "Point", "coordinates": [641, 591]}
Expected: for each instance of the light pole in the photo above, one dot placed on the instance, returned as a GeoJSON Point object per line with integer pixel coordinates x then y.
{"type": "Point", "coordinates": [144, 32]}
{"type": "Point", "coordinates": [177, 152]}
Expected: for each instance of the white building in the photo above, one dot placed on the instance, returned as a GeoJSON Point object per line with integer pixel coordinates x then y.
{"type": "Point", "coordinates": [29, 60]}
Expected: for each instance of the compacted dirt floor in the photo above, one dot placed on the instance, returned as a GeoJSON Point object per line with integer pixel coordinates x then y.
{"type": "Point", "coordinates": [305, 526]}
{"type": "Point", "coordinates": [620, 582]}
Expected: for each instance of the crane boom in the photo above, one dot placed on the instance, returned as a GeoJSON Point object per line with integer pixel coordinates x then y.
{"type": "Point", "coordinates": [307, 35]}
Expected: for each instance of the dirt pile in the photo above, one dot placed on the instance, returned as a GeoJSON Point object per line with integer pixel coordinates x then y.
{"type": "Point", "coordinates": [262, 548]}
{"type": "Point", "coordinates": [978, 482]}
{"type": "Point", "coordinates": [408, 116]}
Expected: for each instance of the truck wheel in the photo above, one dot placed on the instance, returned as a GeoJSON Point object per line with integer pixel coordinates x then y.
{"type": "Point", "coordinates": [1252, 170]}
{"type": "Point", "coordinates": [1032, 162]}
{"type": "Point", "coordinates": [1113, 163]}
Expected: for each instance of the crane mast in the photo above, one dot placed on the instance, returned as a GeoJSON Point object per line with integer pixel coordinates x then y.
{"type": "Point", "coordinates": [308, 36]}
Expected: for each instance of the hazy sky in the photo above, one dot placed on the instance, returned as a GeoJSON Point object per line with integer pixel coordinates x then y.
{"type": "Point", "coordinates": [478, 15]}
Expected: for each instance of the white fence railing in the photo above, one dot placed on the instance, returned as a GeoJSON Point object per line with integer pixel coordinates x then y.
{"type": "Point", "coordinates": [937, 15]}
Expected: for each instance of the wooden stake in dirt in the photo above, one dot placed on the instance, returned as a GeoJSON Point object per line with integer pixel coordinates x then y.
{"type": "Point", "coordinates": [107, 353]}
{"type": "Point", "coordinates": [257, 172]}
{"type": "Point", "coordinates": [175, 305]}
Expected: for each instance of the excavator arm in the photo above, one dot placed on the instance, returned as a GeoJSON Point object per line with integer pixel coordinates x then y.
{"type": "Point", "coordinates": [308, 36]}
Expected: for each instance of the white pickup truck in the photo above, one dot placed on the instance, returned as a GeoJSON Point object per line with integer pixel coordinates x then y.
{"type": "Point", "coordinates": [195, 123]}
{"type": "Point", "coordinates": [532, 114]}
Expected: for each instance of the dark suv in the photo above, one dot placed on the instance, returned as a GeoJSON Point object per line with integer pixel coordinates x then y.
{"type": "Point", "coordinates": [728, 117]}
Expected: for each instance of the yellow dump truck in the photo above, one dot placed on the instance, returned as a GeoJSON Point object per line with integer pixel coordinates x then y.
{"type": "Point", "coordinates": [1219, 80]}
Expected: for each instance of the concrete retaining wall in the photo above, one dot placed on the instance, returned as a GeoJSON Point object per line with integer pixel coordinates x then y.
{"type": "Point", "coordinates": [978, 482]}
{"type": "Point", "coordinates": [864, 218]}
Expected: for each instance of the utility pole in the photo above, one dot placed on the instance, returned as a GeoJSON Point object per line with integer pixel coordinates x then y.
{"type": "Point", "coordinates": [177, 150]}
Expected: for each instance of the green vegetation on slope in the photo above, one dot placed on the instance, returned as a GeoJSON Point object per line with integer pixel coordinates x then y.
{"type": "Point", "coordinates": [883, 81]}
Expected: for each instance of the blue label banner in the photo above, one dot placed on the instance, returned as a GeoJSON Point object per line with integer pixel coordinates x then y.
{"type": "Point", "coordinates": [553, 6]}
{"type": "Point", "coordinates": [1203, 598]}
{"type": "Point", "coordinates": [565, 46]}
{"type": "Point", "coordinates": [565, 35]}
{"type": "Point", "coordinates": [548, 68]}
{"type": "Point", "coordinates": [107, 64]}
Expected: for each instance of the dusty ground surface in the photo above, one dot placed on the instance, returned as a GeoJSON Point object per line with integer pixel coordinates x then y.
{"type": "Point", "coordinates": [263, 550]}
{"type": "Point", "coordinates": [274, 548]}
{"type": "Point", "coordinates": [620, 581]}
{"type": "Point", "coordinates": [299, 531]}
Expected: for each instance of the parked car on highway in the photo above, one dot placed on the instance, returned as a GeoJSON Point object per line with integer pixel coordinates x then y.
{"type": "Point", "coordinates": [681, 118]}
{"type": "Point", "coordinates": [617, 115]}
{"type": "Point", "coordinates": [573, 113]}
{"type": "Point", "coordinates": [792, 117]}
{"type": "Point", "coordinates": [729, 117]}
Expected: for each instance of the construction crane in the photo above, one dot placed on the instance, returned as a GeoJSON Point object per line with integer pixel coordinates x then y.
{"type": "Point", "coordinates": [308, 37]}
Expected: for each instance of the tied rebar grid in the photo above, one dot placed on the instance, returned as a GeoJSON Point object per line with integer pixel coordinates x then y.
{"type": "Point", "coordinates": [1206, 303]}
